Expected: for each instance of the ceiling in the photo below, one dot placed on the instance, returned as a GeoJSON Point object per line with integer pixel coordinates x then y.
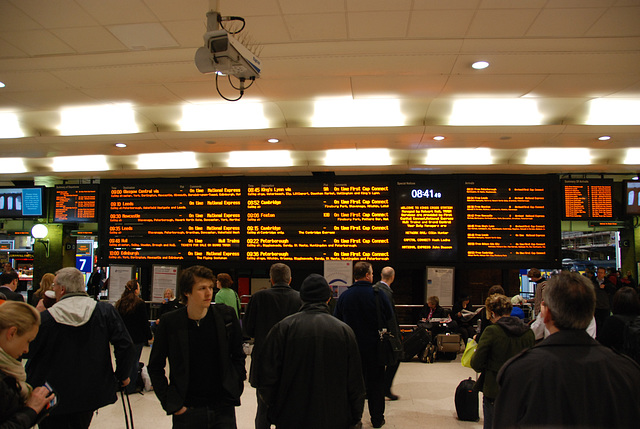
{"type": "Point", "coordinates": [561, 53]}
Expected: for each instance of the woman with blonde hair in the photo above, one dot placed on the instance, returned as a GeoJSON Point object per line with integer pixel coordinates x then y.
{"type": "Point", "coordinates": [134, 315]}
{"type": "Point", "coordinates": [20, 404]}
{"type": "Point", "coordinates": [46, 283]}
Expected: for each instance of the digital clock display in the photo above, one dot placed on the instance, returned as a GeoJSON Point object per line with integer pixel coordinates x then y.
{"type": "Point", "coordinates": [425, 193]}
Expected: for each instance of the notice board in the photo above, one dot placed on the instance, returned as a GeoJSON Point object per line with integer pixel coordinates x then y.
{"type": "Point", "coordinates": [440, 284]}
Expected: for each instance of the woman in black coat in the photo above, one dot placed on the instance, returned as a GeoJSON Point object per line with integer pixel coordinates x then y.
{"type": "Point", "coordinates": [625, 307]}
{"type": "Point", "coordinates": [134, 315]}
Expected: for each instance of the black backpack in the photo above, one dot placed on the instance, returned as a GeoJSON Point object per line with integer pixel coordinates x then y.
{"type": "Point", "coordinates": [631, 339]}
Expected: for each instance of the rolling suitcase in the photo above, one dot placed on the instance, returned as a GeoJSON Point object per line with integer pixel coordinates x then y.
{"type": "Point", "coordinates": [414, 342]}
{"type": "Point", "coordinates": [466, 400]}
{"type": "Point", "coordinates": [448, 345]}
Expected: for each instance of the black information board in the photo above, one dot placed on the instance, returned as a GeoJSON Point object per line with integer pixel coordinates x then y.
{"type": "Point", "coordinates": [76, 203]}
{"type": "Point", "coordinates": [587, 199]}
{"type": "Point", "coordinates": [383, 218]}
{"type": "Point", "coordinates": [508, 220]}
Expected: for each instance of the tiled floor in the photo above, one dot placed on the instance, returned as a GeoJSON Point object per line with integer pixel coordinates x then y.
{"type": "Point", "coordinates": [426, 401]}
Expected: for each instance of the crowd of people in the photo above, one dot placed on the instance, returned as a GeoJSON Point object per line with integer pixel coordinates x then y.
{"type": "Point", "coordinates": [67, 338]}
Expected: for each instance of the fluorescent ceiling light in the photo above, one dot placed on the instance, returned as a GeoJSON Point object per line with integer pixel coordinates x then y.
{"type": "Point", "coordinates": [80, 163]}
{"type": "Point", "coordinates": [228, 116]}
{"type": "Point", "coordinates": [95, 120]}
{"type": "Point", "coordinates": [495, 112]}
{"type": "Point", "coordinates": [459, 156]}
{"type": "Point", "coordinates": [604, 138]}
{"type": "Point", "coordinates": [611, 111]}
{"type": "Point", "coordinates": [260, 158]}
{"type": "Point", "coordinates": [347, 112]}
{"type": "Point", "coordinates": [346, 157]}
{"type": "Point", "coordinates": [439, 138]}
{"type": "Point", "coordinates": [2, 85]}
{"type": "Point", "coordinates": [167, 161]}
{"type": "Point", "coordinates": [9, 126]}
{"type": "Point", "coordinates": [12, 166]}
{"type": "Point", "coordinates": [558, 156]}
{"type": "Point", "coordinates": [633, 156]}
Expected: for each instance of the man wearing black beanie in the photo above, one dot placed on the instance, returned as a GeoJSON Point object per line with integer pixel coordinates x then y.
{"type": "Point", "coordinates": [309, 374]}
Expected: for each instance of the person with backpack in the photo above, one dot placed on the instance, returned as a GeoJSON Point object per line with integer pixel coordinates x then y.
{"type": "Point", "coordinates": [624, 325]}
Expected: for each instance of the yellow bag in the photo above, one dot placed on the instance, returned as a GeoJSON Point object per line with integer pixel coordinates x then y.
{"type": "Point", "coordinates": [469, 350]}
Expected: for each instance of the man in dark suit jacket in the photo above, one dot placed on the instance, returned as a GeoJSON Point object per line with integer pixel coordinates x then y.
{"type": "Point", "coordinates": [265, 309]}
{"type": "Point", "coordinates": [203, 343]}
{"type": "Point", "coordinates": [8, 285]}
{"type": "Point", "coordinates": [387, 275]}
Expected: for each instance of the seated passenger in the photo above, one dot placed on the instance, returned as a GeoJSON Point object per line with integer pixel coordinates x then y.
{"type": "Point", "coordinates": [517, 310]}
{"type": "Point", "coordinates": [465, 322]}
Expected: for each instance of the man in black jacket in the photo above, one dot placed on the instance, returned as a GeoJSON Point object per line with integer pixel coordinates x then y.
{"type": "Point", "coordinates": [9, 284]}
{"type": "Point", "coordinates": [265, 309]}
{"type": "Point", "coordinates": [309, 373]}
{"type": "Point", "coordinates": [569, 379]}
{"type": "Point", "coordinates": [72, 352]}
{"type": "Point", "coordinates": [203, 343]}
{"type": "Point", "coordinates": [387, 275]}
{"type": "Point", "coordinates": [357, 308]}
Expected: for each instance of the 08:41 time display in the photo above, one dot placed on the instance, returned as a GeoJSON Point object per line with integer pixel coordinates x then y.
{"type": "Point", "coordinates": [425, 193]}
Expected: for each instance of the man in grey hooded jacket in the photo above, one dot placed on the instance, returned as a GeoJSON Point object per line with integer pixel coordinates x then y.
{"type": "Point", "coordinates": [72, 353]}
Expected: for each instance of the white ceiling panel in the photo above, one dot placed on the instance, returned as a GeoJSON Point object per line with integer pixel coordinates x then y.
{"type": "Point", "coordinates": [440, 24]}
{"type": "Point", "coordinates": [56, 14]}
{"type": "Point", "coordinates": [89, 39]}
{"type": "Point", "coordinates": [378, 25]}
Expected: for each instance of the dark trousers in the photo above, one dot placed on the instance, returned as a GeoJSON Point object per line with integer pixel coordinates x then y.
{"type": "Point", "coordinates": [373, 374]}
{"type": "Point", "coordinates": [218, 417]}
{"type": "Point", "coordinates": [133, 375]}
{"type": "Point", "coordinates": [80, 420]}
{"type": "Point", "coordinates": [389, 374]}
{"type": "Point", "coordinates": [262, 422]}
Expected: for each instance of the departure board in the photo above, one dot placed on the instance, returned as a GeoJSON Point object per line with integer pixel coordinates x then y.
{"type": "Point", "coordinates": [404, 218]}
{"type": "Point", "coordinates": [76, 203]}
{"type": "Point", "coordinates": [315, 221]}
{"type": "Point", "coordinates": [507, 220]}
{"type": "Point", "coordinates": [428, 215]}
{"type": "Point", "coordinates": [587, 199]}
{"type": "Point", "coordinates": [174, 222]}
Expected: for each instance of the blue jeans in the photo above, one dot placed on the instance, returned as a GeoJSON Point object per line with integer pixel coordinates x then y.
{"type": "Point", "coordinates": [487, 410]}
{"type": "Point", "coordinates": [211, 417]}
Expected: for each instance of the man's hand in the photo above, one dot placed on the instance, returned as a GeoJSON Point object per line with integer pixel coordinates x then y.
{"type": "Point", "coordinates": [125, 382]}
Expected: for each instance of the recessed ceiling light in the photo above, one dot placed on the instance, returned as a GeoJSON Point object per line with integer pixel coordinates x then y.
{"type": "Point", "coordinates": [121, 145]}
{"type": "Point", "coordinates": [2, 85]}
{"type": "Point", "coordinates": [479, 65]}
{"type": "Point", "coordinates": [273, 140]}
{"type": "Point", "coordinates": [438, 138]}
{"type": "Point", "coordinates": [604, 138]}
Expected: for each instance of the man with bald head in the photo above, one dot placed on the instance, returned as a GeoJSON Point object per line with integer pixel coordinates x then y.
{"type": "Point", "coordinates": [387, 276]}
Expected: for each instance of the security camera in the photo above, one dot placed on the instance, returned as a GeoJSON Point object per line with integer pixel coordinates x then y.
{"type": "Point", "coordinates": [224, 54]}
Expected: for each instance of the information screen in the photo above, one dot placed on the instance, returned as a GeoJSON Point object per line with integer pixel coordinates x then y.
{"type": "Point", "coordinates": [76, 203]}
{"type": "Point", "coordinates": [318, 221]}
{"type": "Point", "coordinates": [587, 199]}
{"type": "Point", "coordinates": [410, 219]}
{"type": "Point", "coordinates": [428, 219]}
{"type": "Point", "coordinates": [20, 202]}
{"type": "Point", "coordinates": [177, 222]}
{"type": "Point", "coordinates": [507, 220]}
{"type": "Point", "coordinates": [632, 198]}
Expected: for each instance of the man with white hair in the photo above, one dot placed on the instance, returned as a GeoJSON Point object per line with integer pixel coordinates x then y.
{"type": "Point", "coordinates": [569, 379]}
{"type": "Point", "coordinates": [72, 353]}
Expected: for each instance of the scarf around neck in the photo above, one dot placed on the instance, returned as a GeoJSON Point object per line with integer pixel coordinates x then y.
{"type": "Point", "coordinates": [13, 368]}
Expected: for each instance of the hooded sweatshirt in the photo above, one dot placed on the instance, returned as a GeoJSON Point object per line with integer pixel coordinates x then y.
{"type": "Point", "coordinates": [499, 343]}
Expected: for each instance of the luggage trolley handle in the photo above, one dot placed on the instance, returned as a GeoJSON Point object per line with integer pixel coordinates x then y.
{"type": "Point", "coordinates": [128, 416]}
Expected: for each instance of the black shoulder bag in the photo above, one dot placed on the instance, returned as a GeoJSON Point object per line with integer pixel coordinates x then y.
{"type": "Point", "coordinates": [389, 346]}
